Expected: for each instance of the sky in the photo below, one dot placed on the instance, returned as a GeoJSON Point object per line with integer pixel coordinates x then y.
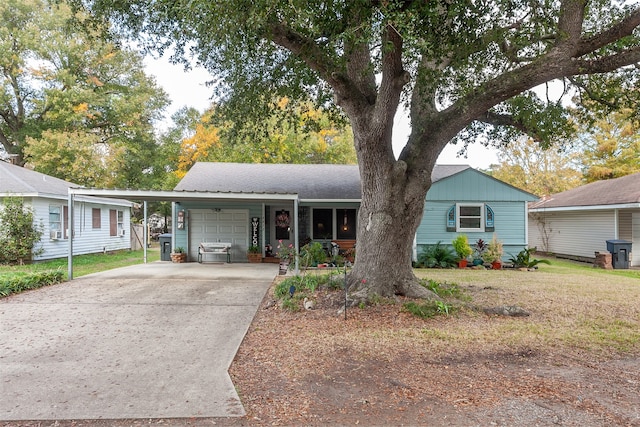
{"type": "Point", "coordinates": [189, 89]}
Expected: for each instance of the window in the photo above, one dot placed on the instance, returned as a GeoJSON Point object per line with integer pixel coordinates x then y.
{"type": "Point", "coordinates": [322, 224]}
{"type": "Point", "coordinates": [96, 219]}
{"type": "Point", "coordinates": [470, 217]}
{"type": "Point", "coordinates": [55, 221]}
{"type": "Point", "coordinates": [58, 220]}
{"type": "Point", "coordinates": [116, 223]}
{"type": "Point", "coordinates": [337, 224]}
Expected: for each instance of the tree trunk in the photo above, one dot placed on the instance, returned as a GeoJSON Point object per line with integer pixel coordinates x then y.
{"type": "Point", "coordinates": [390, 212]}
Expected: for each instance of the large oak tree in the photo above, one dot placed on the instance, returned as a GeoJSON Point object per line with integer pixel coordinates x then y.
{"type": "Point", "coordinates": [464, 69]}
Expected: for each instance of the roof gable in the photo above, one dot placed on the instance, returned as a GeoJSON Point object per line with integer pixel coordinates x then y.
{"type": "Point", "coordinates": [473, 185]}
{"type": "Point", "coordinates": [618, 191]}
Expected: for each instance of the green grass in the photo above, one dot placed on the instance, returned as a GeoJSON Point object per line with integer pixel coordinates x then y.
{"type": "Point", "coordinates": [83, 264]}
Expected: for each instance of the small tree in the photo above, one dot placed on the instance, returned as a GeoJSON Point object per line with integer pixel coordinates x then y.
{"type": "Point", "coordinates": [18, 234]}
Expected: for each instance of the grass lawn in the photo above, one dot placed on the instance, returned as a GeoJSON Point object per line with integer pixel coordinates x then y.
{"type": "Point", "coordinates": [84, 264]}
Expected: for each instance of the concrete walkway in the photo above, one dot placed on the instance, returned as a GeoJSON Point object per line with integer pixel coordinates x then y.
{"type": "Point", "coordinates": [148, 341]}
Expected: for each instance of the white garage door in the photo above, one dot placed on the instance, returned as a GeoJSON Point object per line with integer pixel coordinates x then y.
{"type": "Point", "coordinates": [207, 225]}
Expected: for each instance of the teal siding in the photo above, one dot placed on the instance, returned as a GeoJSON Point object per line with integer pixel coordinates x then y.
{"type": "Point", "coordinates": [471, 185]}
{"type": "Point", "coordinates": [508, 203]}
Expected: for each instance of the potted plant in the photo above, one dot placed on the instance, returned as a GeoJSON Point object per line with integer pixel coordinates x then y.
{"type": "Point", "coordinates": [253, 254]}
{"type": "Point", "coordinates": [479, 249]}
{"type": "Point", "coordinates": [179, 255]}
{"type": "Point", "coordinates": [462, 248]}
{"type": "Point", "coordinates": [493, 254]}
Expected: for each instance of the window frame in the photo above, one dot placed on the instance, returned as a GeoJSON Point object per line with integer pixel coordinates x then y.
{"type": "Point", "coordinates": [337, 219]}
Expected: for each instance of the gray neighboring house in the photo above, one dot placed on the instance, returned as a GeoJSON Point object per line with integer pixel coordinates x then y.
{"type": "Point", "coordinates": [100, 224]}
{"type": "Point", "coordinates": [264, 203]}
{"type": "Point", "coordinates": [577, 223]}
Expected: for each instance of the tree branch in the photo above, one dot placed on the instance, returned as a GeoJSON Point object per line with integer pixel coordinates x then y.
{"type": "Point", "coordinates": [508, 120]}
{"type": "Point", "coordinates": [622, 28]}
{"type": "Point", "coordinates": [606, 64]}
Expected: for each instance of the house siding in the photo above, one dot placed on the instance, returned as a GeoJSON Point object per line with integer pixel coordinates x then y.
{"type": "Point", "coordinates": [567, 232]}
{"type": "Point", "coordinates": [86, 238]}
{"type": "Point", "coordinates": [509, 206]}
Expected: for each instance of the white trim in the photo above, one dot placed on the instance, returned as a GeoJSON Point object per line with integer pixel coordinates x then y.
{"type": "Point", "coordinates": [330, 200]}
{"type": "Point", "coordinates": [587, 208]}
{"type": "Point", "coordinates": [179, 195]}
{"type": "Point", "coordinates": [482, 218]}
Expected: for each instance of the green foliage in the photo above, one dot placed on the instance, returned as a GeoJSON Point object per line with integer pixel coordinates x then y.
{"type": "Point", "coordinates": [444, 290]}
{"type": "Point", "coordinates": [76, 105]}
{"type": "Point", "coordinates": [524, 259]}
{"type": "Point", "coordinates": [461, 246]}
{"type": "Point", "coordinates": [437, 256]}
{"type": "Point", "coordinates": [428, 309]}
{"type": "Point", "coordinates": [312, 253]}
{"type": "Point", "coordinates": [18, 234]}
{"type": "Point", "coordinates": [22, 282]}
{"type": "Point", "coordinates": [253, 249]}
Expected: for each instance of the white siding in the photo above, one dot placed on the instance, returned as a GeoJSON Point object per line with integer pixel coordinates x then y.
{"type": "Point", "coordinates": [86, 238]}
{"type": "Point", "coordinates": [635, 238]}
{"type": "Point", "coordinates": [577, 233]}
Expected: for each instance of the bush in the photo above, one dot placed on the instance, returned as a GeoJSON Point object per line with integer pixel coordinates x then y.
{"type": "Point", "coordinates": [437, 256]}
{"type": "Point", "coordinates": [18, 235]}
{"type": "Point", "coordinates": [524, 260]}
{"type": "Point", "coordinates": [19, 283]}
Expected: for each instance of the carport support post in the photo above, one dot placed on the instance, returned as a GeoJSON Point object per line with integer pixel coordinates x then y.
{"type": "Point", "coordinates": [145, 230]}
{"type": "Point", "coordinates": [70, 236]}
{"type": "Point", "coordinates": [295, 233]}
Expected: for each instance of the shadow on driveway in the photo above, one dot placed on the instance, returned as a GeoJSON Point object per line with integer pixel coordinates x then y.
{"type": "Point", "coordinates": [147, 341]}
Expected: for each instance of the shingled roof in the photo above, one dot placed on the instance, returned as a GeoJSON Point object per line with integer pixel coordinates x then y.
{"type": "Point", "coordinates": [308, 181]}
{"type": "Point", "coordinates": [26, 182]}
{"type": "Point", "coordinates": [619, 191]}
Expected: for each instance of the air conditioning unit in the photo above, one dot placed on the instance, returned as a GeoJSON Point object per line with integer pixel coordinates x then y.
{"type": "Point", "coordinates": [122, 232]}
{"type": "Point", "coordinates": [55, 235]}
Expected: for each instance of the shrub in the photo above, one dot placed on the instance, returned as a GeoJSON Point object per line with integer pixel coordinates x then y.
{"type": "Point", "coordinates": [18, 235]}
{"type": "Point", "coordinates": [15, 284]}
{"type": "Point", "coordinates": [437, 256]}
{"type": "Point", "coordinates": [524, 260]}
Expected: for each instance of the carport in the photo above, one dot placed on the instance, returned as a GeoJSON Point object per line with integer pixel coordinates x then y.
{"type": "Point", "coordinates": [176, 197]}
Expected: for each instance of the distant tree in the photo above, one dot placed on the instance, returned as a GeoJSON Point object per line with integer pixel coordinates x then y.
{"type": "Point", "coordinates": [18, 233]}
{"type": "Point", "coordinates": [292, 133]}
{"type": "Point", "coordinates": [541, 172]}
{"type": "Point", "coordinates": [611, 147]}
{"type": "Point", "coordinates": [59, 81]}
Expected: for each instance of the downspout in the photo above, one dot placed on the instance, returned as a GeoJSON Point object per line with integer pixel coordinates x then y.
{"type": "Point", "coordinates": [173, 227]}
{"type": "Point", "coordinates": [616, 226]}
{"type": "Point", "coordinates": [70, 225]}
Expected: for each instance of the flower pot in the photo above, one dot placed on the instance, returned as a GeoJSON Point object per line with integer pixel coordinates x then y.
{"type": "Point", "coordinates": [254, 257]}
{"type": "Point", "coordinates": [477, 261]}
{"type": "Point", "coordinates": [284, 267]}
{"type": "Point", "coordinates": [462, 263]}
{"type": "Point", "coordinates": [496, 265]}
{"type": "Point", "coordinates": [178, 257]}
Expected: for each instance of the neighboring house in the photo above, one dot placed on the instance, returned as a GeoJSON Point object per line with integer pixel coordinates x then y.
{"type": "Point", "coordinates": [99, 224]}
{"type": "Point", "coordinates": [577, 223]}
{"type": "Point", "coordinates": [262, 203]}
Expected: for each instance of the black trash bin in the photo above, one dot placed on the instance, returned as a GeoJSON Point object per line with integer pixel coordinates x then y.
{"type": "Point", "coordinates": [165, 247]}
{"type": "Point", "coordinates": [620, 251]}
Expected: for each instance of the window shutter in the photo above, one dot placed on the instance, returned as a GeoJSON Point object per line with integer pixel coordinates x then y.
{"type": "Point", "coordinates": [451, 218]}
{"type": "Point", "coordinates": [488, 219]}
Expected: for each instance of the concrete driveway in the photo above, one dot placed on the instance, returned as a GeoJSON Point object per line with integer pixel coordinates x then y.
{"type": "Point", "coordinates": [148, 341]}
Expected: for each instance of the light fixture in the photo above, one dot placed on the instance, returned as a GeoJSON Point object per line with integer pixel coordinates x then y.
{"type": "Point", "coordinates": [344, 222]}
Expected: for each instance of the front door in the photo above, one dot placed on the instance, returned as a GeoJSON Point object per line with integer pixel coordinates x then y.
{"type": "Point", "coordinates": [282, 226]}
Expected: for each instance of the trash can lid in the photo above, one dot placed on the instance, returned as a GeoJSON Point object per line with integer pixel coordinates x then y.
{"type": "Point", "coordinates": [618, 241]}
{"type": "Point", "coordinates": [165, 235]}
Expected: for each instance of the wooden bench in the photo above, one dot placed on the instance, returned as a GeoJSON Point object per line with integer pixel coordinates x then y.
{"type": "Point", "coordinates": [214, 249]}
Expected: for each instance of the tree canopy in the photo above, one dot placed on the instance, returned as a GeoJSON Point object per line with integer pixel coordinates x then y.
{"type": "Point", "coordinates": [66, 87]}
{"type": "Point", "coordinates": [466, 70]}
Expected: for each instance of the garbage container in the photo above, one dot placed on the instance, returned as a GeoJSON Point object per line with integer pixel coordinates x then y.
{"type": "Point", "coordinates": [165, 247]}
{"type": "Point", "coordinates": [620, 251]}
